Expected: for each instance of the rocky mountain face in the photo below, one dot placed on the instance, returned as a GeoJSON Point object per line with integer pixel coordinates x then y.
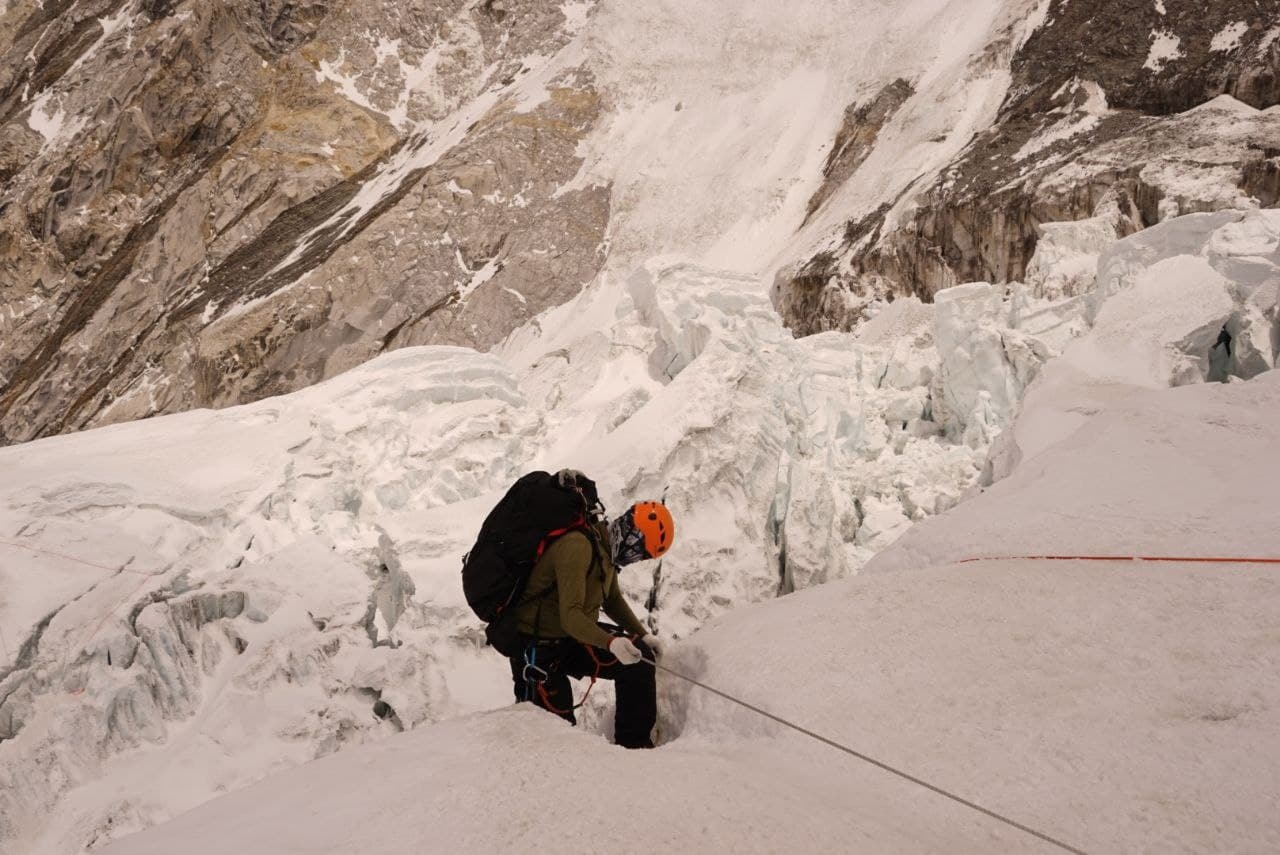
{"type": "Point", "coordinates": [1113, 109]}
{"type": "Point", "coordinates": [206, 204]}
{"type": "Point", "coordinates": [209, 203]}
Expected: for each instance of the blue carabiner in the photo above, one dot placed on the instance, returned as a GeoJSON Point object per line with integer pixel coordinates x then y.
{"type": "Point", "coordinates": [531, 665]}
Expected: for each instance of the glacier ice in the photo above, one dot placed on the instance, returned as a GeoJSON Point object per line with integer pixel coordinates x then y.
{"type": "Point", "coordinates": [272, 582]}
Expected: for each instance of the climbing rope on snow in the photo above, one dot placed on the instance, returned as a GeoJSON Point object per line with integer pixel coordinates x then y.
{"type": "Point", "coordinates": [147, 575]}
{"type": "Point", "coordinates": [1200, 559]}
{"type": "Point", "coordinates": [874, 762]}
{"type": "Point", "coordinates": [58, 554]}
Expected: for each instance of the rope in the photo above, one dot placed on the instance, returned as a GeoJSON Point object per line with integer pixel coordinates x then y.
{"type": "Point", "coordinates": [80, 644]}
{"type": "Point", "coordinates": [58, 554]}
{"type": "Point", "coordinates": [1173, 558]}
{"type": "Point", "coordinates": [874, 762]}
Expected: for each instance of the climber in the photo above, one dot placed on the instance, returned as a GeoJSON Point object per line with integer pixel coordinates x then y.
{"type": "Point", "coordinates": [1224, 340]}
{"type": "Point", "coordinates": [572, 580]}
{"type": "Point", "coordinates": [1220, 357]}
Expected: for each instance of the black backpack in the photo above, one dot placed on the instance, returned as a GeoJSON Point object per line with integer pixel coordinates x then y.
{"type": "Point", "coordinates": [536, 510]}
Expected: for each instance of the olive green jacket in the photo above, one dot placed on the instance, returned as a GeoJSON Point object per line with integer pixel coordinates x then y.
{"type": "Point", "coordinates": [566, 591]}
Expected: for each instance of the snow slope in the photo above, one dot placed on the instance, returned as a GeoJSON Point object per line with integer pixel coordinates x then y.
{"type": "Point", "coordinates": [1117, 707]}
{"type": "Point", "coordinates": [234, 593]}
{"type": "Point", "coordinates": [260, 619]}
{"type": "Point", "coordinates": [722, 113]}
{"type": "Point", "coordinates": [191, 604]}
{"type": "Point", "coordinates": [302, 597]}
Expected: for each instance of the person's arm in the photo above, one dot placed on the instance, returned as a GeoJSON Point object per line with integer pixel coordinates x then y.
{"type": "Point", "coordinates": [572, 556]}
{"type": "Point", "coordinates": [617, 607]}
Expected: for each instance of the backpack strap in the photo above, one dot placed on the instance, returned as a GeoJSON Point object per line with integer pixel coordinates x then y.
{"type": "Point", "coordinates": [592, 537]}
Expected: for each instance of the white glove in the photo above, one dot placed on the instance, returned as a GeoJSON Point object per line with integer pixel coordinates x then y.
{"type": "Point", "coordinates": [655, 644]}
{"type": "Point", "coordinates": [624, 651]}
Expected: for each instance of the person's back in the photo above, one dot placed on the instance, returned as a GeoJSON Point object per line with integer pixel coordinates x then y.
{"type": "Point", "coordinates": [573, 580]}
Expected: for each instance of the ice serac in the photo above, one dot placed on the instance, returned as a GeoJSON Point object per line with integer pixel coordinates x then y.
{"type": "Point", "coordinates": [1115, 706]}
{"type": "Point", "coordinates": [305, 595]}
{"type": "Point", "coordinates": [248, 594]}
{"type": "Point", "coordinates": [271, 582]}
{"type": "Point", "coordinates": [1164, 298]}
{"type": "Point", "coordinates": [206, 204]}
{"type": "Point", "coordinates": [1081, 134]}
{"type": "Point", "coordinates": [787, 461]}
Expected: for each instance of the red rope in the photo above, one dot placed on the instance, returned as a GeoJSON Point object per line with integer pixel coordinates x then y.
{"type": "Point", "coordinates": [545, 695]}
{"type": "Point", "coordinates": [1198, 559]}
{"type": "Point", "coordinates": [546, 698]}
{"type": "Point", "coordinates": [60, 555]}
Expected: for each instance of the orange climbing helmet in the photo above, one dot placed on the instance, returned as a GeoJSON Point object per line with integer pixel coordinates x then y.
{"type": "Point", "coordinates": [644, 530]}
{"type": "Point", "coordinates": [654, 521]}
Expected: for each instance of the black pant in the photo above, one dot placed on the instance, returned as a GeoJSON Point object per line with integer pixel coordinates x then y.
{"type": "Point", "coordinates": [637, 708]}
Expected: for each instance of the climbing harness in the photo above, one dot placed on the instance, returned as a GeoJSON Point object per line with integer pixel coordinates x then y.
{"type": "Point", "coordinates": [531, 667]}
{"type": "Point", "coordinates": [874, 762]}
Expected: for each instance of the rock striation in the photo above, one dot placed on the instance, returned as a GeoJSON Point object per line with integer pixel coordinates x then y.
{"type": "Point", "coordinates": [208, 203]}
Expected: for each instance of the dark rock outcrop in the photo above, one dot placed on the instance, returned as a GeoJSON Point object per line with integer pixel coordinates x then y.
{"type": "Point", "coordinates": [857, 138]}
{"type": "Point", "coordinates": [1095, 112]}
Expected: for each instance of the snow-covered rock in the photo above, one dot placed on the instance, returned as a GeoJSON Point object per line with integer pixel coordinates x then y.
{"type": "Point", "coordinates": [204, 207]}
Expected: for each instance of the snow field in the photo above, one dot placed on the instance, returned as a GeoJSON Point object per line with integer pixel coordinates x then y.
{"type": "Point", "coordinates": [272, 583]}
{"type": "Point", "coordinates": [291, 545]}
{"type": "Point", "coordinates": [251, 616]}
{"type": "Point", "coordinates": [275, 550]}
{"type": "Point", "coordinates": [328, 526]}
{"type": "Point", "coordinates": [1112, 707]}
{"type": "Point", "coordinates": [1116, 706]}
{"type": "Point", "coordinates": [1162, 298]}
